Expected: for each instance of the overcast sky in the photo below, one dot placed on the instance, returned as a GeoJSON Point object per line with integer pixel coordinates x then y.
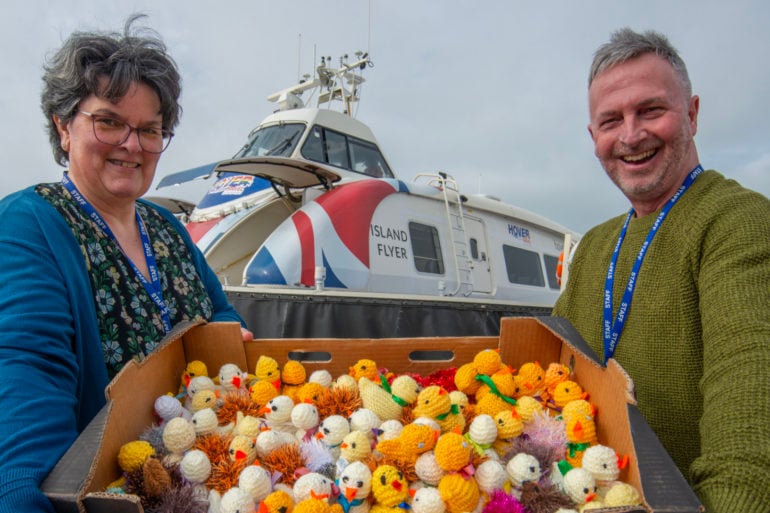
{"type": "Point", "coordinates": [491, 92]}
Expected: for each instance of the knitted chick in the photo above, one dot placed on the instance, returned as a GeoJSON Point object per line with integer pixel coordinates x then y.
{"type": "Point", "coordinates": [428, 470]}
{"type": "Point", "coordinates": [232, 378]}
{"type": "Point", "coordinates": [195, 467]}
{"type": "Point", "coordinates": [304, 417]}
{"type": "Point", "coordinates": [622, 494]}
{"type": "Point", "coordinates": [481, 435]}
{"type": "Point", "coordinates": [267, 369]}
{"type": "Point", "coordinates": [565, 392]}
{"type": "Point", "coordinates": [132, 455]}
{"type": "Point", "coordinates": [604, 464]}
{"type": "Point", "coordinates": [243, 448]}
{"type": "Point", "coordinates": [428, 500]}
{"type": "Point", "coordinates": [355, 447]}
{"type": "Point", "coordinates": [178, 437]}
{"type": "Point", "coordinates": [460, 493]}
{"type": "Point", "coordinates": [293, 376]}
{"type": "Point", "coordinates": [255, 480]}
{"type": "Point", "coordinates": [277, 413]}
{"type": "Point", "coordinates": [490, 475]}
{"type": "Point", "coordinates": [533, 376]}
{"type": "Point", "coordinates": [278, 501]}
{"type": "Point", "coordinates": [527, 406]}
{"type": "Point", "coordinates": [205, 399]}
{"type": "Point", "coordinates": [355, 484]}
{"type": "Point", "coordinates": [236, 500]}
{"type": "Point", "coordinates": [312, 485]}
{"type": "Point", "coordinates": [453, 452]}
{"type": "Point", "coordinates": [388, 400]}
{"type": "Point", "coordinates": [496, 394]}
{"type": "Point", "coordinates": [389, 489]}
{"type": "Point", "coordinates": [261, 392]}
{"type": "Point", "coordinates": [167, 408]}
{"type": "Point", "coordinates": [364, 368]}
{"type": "Point", "coordinates": [413, 440]}
{"type": "Point", "coordinates": [555, 374]}
{"type": "Point", "coordinates": [434, 402]}
{"type": "Point", "coordinates": [313, 505]}
{"type": "Point", "coordinates": [332, 431]}
{"type": "Point", "coordinates": [364, 419]}
{"type": "Point", "coordinates": [521, 469]}
{"type": "Point", "coordinates": [509, 426]}
{"type": "Point", "coordinates": [579, 485]}
{"type": "Point", "coordinates": [193, 369]}
{"type": "Point", "coordinates": [581, 434]}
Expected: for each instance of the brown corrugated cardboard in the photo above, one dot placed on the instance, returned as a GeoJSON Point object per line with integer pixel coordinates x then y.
{"type": "Point", "coordinates": [79, 479]}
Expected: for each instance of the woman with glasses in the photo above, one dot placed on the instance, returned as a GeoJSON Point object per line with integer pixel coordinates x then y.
{"type": "Point", "coordinates": [92, 276]}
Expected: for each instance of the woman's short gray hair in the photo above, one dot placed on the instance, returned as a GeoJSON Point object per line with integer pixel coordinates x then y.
{"type": "Point", "coordinates": [74, 72]}
{"type": "Point", "coordinates": [625, 44]}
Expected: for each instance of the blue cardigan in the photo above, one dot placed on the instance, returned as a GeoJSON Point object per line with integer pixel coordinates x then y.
{"type": "Point", "coordinates": [52, 370]}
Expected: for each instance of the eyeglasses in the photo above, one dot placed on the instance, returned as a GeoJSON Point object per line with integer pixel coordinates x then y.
{"type": "Point", "coordinates": [115, 132]}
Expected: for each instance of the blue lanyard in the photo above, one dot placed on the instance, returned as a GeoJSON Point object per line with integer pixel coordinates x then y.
{"type": "Point", "coordinates": [153, 287]}
{"type": "Point", "coordinates": [612, 331]}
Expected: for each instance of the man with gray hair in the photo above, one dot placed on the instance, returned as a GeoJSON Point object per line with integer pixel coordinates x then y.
{"type": "Point", "coordinates": [693, 252]}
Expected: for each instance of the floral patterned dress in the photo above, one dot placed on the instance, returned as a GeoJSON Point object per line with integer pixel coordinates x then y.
{"type": "Point", "coordinates": [129, 322]}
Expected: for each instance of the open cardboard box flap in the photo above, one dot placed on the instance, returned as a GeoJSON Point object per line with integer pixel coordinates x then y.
{"type": "Point", "coordinates": [80, 478]}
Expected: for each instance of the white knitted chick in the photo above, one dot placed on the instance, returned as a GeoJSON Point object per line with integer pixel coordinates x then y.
{"type": "Point", "coordinates": [428, 500]}
{"type": "Point", "coordinates": [256, 481]}
{"type": "Point", "coordinates": [236, 500]}
{"type": "Point", "coordinates": [355, 483]}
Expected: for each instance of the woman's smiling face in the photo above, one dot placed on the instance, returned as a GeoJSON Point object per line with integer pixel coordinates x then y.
{"type": "Point", "coordinates": [104, 173]}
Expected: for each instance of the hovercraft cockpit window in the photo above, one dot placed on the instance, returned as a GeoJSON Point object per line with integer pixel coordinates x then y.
{"type": "Point", "coordinates": [273, 141]}
{"type": "Point", "coordinates": [345, 151]}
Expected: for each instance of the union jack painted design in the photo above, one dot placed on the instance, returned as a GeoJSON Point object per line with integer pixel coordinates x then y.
{"type": "Point", "coordinates": [330, 232]}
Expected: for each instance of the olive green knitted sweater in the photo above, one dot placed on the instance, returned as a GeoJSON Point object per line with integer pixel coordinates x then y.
{"type": "Point", "coordinates": [697, 335]}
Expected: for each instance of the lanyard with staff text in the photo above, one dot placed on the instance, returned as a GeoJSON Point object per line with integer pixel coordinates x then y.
{"type": "Point", "coordinates": [612, 331]}
{"type": "Point", "coordinates": [153, 287]}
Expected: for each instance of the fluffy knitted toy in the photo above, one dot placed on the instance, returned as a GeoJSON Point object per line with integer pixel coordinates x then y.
{"type": "Point", "coordinates": [389, 489]}
{"type": "Point", "coordinates": [304, 417]}
{"type": "Point", "coordinates": [195, 467]}
{"type": "Point", "coordinates": [521, 469]}
{"type": "Point", "coordinates": [428, 500]}
{"type": "Point", "coordinates": [413, 440]}
{"type": "Point", "coordinates": [236, 500]}
{"type": "Point", "coordinates": [481, 434]}
{"type": "Point", "coordinates": [434, 402]}
{"type": "Point", "coordinates": [355, 485]}
{"type": "Point", "coordinates": [388, 400]}
{"type": "Point", "coordinates": [232, 378]}
{"type": "Point", "coordinates": [293, 376]}
{"type": "Point", "coordinates": [278, 501]}
{"type": "Point", "coordinates": [178, 437]}
{"type": "Point", "coordinates": [268, 370]}
{"type": "Point", "coordinates": [312, 485]}
{"type": "Point", "coordinates": [364, 368]}
{"type": "Point", "coordinates": [332, 430]}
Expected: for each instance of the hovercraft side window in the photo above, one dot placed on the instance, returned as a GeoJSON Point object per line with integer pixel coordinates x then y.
{"type": "Point", "coordinates": [426, 248]}
{"type": "Point", "coordinates": [523, 266]}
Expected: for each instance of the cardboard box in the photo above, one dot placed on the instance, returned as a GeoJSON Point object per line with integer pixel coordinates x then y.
{"type": "Point", "coordinates": [78, 481]}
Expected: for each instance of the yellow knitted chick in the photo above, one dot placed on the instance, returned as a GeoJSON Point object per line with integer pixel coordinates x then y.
{"type": "Point", "coordinates": [278, 501]}
{"type": "Point", "coordinates": [465, 378]}
{"type": "Point", "coordinates": [243, 448]}
{"type": "Point", "coordinates": [261, 392]}
{"type": "Point", "coordinates": [388, 400]}
{"type": "Point", "coordinates": [267, 369]}
{"type": "Point", "coordinates": [487, 361]}
{"type": "Point", "coordinates": [509, 426]}
{"type": "Point", "coordinates": [193, 369]}
{"type": "Point", "coordinates": [555, 374]}
{"type": "Point", "coordinates": [460, 493]}
{"type": "Point", "coordinates": [453, 452]}
{"type": "Point", "coordinates": [311, 392]}
{"type": "Point", "coordinates": [565, 392]}
{"type": "Point", "coordinates": [132, 455]}
{"type": "Point", "coordinates": [313, 505]}
{"type": "Point", "coordinates": [390, 490]}
{"type": "Point", "coordinates": [434, 403]}
{"type": "Point", "coordinates": [527, 406]}
{"type": "Point", "coordinates": [365, 368]}
{"type": "Point", "coordinates": [293, 376]}
{"type": "Point", "coordinates": [581, 434]}
{"type": "Point", "coordinates": [496, 394]}
{"type": "Point", "coordinates": [413, 440]}
{"type": "Point", "coordinates": [622, 494]}
{"type": "Point", "coordinates": [534, 378]}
